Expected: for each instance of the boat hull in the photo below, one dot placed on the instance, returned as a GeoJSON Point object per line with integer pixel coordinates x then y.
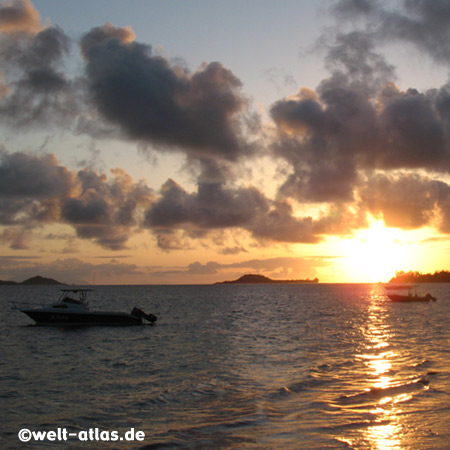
{"type": "Point", "coordinates": [68, 318]}
{"type": "Point", "coordinates": [410, 298]}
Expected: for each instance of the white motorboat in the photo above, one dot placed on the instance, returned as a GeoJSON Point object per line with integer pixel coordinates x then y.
{"type": "Point", "coordinates": [70, 311]}
{"type": "Point", "coordinates": [409, 294]}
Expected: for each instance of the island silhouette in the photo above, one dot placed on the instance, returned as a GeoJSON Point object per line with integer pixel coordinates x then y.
{"type": "Point", "coordinates": [261, 279]}
{"type": "Point", "coordinates": [37, 280]}
{"type": "Point", "coordinates": [416, 277]}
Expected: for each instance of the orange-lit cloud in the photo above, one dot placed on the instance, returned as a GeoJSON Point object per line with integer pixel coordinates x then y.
{"type": "Point", "coordinates": [19, 16]}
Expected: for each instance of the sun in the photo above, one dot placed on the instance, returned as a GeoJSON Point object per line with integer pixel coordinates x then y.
{"type": "Point", "coordinates": [375, 253]}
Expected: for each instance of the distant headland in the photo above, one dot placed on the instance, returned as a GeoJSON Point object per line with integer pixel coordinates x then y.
{"type": "Point", "coordinates": [416, 277]}
{"type": "Point", "coordinates": [37, 280]}
{"type": "Point", "coordinates": [261, 279]}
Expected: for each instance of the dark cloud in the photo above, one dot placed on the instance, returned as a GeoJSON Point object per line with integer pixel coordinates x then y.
{"type": "Point", "coordinates": [154, 101]}
{"type": "Point", "coordinates": [24, 175]}
{"type": "Point", "coordinates": [408, 200]}
{"type": "Point", "coordinates": [330, 136]}
{"type": "Point", "coordinates": [37, 90]}
{"type": "Point", "coordinates": [320, 138]}
{"type": "Point", "coordinates": [426, 24]}
{"type": "Point", "coordinates": [354, 54]}
{"type": "Point", "coordinates": [214, 206]}
{"type": "Point", "coordinates": [357, 120]}
{"type": "Point", "coordinates": [414, 132]}
{"type": "Point", "coordinates": [106, 210]}
{"type": "Point", "coordinates": [405, 201]}
{"type": "Point", "coordinates": [233, 250]}
{"type": "Point", "coordinates": [31, 188]}
{"type": "Point", "coordinates": [36, 189]}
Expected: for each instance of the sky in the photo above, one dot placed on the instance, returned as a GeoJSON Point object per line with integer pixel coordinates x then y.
{"type": "Point", "coordinates": [184, 142]}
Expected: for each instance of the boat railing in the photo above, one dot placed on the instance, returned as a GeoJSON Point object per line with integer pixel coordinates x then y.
{"type": "Point", "coordinates": [21, 305]}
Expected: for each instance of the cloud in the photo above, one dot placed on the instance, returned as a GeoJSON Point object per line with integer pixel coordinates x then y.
{"type": "Point", "coordinates": [214, 206]}
{"type": "Point", "coordinates": [329, 137]}
{"type": "Point", "coordinates": [153, 101]}
{"type": "Point", "coordinates": [278, 268]}
{"type": "Point", "coordinates": [37, 91]}
{"type": "Point", "coordinates": [69, 270]}
{"type": "Point", "coordinates": [233, 250]}
{"type": "Point", "coordinates": [18, 238]}
{"type": "Point", "coordinates": [31, 188]}
{"type": "Point", "coordinates": [420, 22]}
{"type": "Point", "coordinates": [36, 190]}
{"type": "Point", "coordinates": [25, 175]}
{"type": "Point", "coordinates": [103, 34]}
{"type": "Point", "coordinates": [405, 201]}
{"type": "Point", "coordinates": [19, 16]}
{"type": "Point", "coordinates": [106, 210]}
{"type": "Point", "coordinates": [357, 120]}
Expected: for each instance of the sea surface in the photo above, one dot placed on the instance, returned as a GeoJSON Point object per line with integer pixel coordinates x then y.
{"type": "Point", "coordinates": [233, 367]}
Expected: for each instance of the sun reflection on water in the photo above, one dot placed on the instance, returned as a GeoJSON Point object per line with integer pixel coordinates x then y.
{"type": "Point", "coordinates": [386, 430]}
{"type": "Point", "coordinates": [385, 434]}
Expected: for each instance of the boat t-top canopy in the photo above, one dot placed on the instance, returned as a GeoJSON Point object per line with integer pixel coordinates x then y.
{"type": "Point", "coordinates": [82, 294]}
{"type": "Point", "coordinates": [401, 287]}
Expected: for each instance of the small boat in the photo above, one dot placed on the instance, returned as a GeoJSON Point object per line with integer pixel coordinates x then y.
{"type": "Point", "coordinates": [410, 296]}
{"type": "Point", "coordinates": [69, 311]}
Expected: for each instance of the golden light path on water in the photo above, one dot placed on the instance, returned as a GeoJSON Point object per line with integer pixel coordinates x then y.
{"type": "Point", "coordinates": [386, 431]}
{"type": "Point", "coordinates": [386, 435]}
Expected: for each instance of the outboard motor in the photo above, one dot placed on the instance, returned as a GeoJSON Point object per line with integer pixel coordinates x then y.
{"type": "Point", "coordinates": [139, 313]}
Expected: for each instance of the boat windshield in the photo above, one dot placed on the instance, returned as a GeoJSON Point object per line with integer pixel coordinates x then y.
{"type": "Point", "coordinates": [68, 294]}
{"type": "Point", "coordinates": [72, 300]}
{"type": "Point", "coordinates": [400, 287]}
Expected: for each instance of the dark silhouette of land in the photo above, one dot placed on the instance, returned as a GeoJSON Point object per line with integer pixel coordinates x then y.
{"type": "Point", "coordinates": [261, 279]}
{"type": "Point", "coordinates": [37, 280]}
{"type": "Point", "coordinates": [417, 277]}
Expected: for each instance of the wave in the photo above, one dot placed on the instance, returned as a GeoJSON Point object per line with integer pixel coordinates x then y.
{"type": "Point", "coordinates": [375, 393]}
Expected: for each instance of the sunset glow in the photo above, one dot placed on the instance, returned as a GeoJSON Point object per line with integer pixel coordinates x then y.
{"type": "Point", "coordinates": [375, 253]}
{"type": "Point", "coordinates": [135, 149]}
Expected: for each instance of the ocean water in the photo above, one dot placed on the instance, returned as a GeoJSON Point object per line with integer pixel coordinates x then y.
{"type": "Point", "coordinates": [233, 367]}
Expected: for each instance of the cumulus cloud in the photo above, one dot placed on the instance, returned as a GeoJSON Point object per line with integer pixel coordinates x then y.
{"type": "Point", "coordinates": [25, 175]}
{"type": "Point", "coordinates": [37, 189]}
{"type": "Point", "coordinates": [358, 120]}
{"type": "Point", "coordinates": [328, 139]}
{"type": "Point", "coordinates": [106, 210]}
{"type": "Point", "coordinates": [19, 16]}
{"type": "Point", "coordinates": [215, 206]}
{"type": "Point", "coordinates": [153, 101]}
{"type": "Point", "coordinates": [405, 201]}
{"type": "Point", "coordinates": [105, 33]}
{"type": "Point", "coordinates": [31, 188]}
